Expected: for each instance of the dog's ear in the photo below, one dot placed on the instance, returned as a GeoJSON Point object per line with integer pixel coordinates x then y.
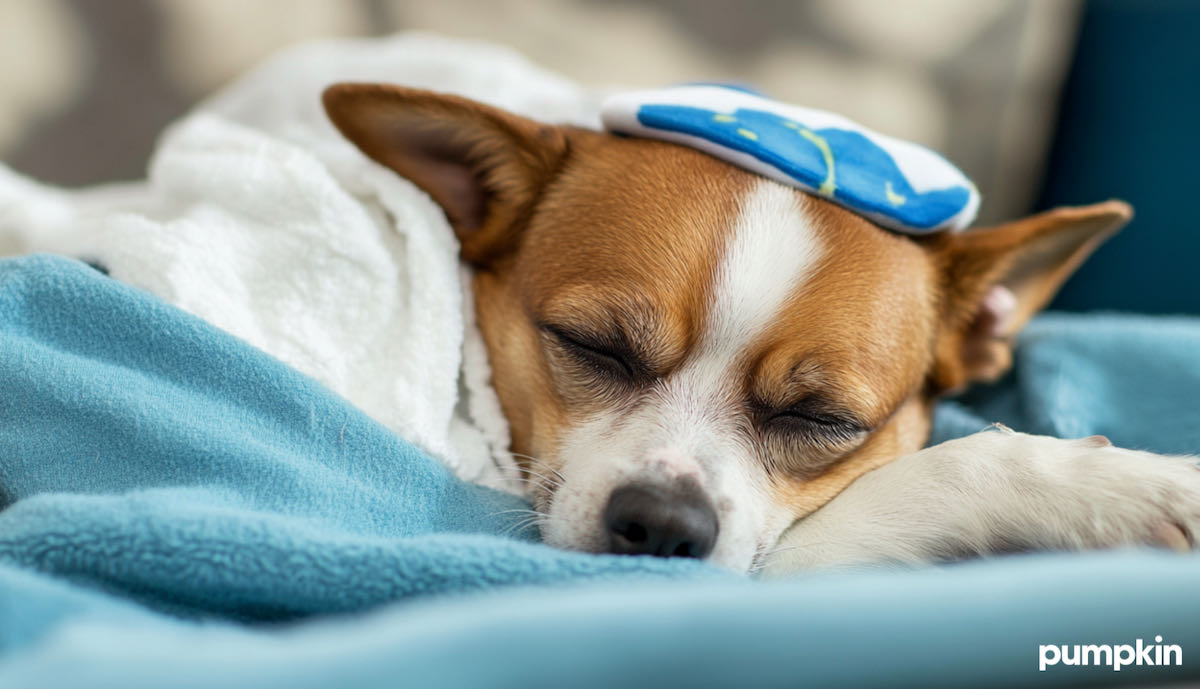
{"type": "Point", "coordinates": [483, 166]}
{"type": "Point", "coordinates": [995, 279]}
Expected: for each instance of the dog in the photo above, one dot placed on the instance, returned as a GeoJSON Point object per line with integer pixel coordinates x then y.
{"type": "Point", "coordinates": [697, 361]}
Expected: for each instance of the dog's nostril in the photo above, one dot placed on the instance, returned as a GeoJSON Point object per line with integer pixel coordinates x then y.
{"type": "Point", "coordinates": [666, 520]}
{"type": "Point", "coordinates": [634, 533]}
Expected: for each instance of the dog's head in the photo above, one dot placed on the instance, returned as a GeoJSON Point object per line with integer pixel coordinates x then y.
{"type": "Point", "coordinates": [690, 355]}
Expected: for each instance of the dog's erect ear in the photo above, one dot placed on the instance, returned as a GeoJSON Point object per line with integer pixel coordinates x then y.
{"type": "Point", "coordinates": [483, 166]}
{"type": "Point", "coordinates": [997, 278]}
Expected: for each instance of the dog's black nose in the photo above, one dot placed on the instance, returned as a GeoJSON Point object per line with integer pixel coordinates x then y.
{"type": "Point", "coordinates": [667, 520]}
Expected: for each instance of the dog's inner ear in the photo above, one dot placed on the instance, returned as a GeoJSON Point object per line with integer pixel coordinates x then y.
{"type": "Point", "coordinates": [995, 280]}
{"type": "Point", "coordinates": [483, 166]}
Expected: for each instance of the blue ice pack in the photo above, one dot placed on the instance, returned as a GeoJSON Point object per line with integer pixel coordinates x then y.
{"type": "Point", "coordinates": [897, 184]}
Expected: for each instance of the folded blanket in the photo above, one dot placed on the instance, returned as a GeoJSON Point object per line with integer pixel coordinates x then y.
{"type": "Point", "coordinates": [147, 457]}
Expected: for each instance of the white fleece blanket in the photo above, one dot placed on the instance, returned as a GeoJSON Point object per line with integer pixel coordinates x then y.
{"type": "Point", "coordinates": [259, 218]}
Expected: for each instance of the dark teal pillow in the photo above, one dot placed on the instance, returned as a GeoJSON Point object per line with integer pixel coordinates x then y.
{"type": "Point", "coordinates": [1128, 129]}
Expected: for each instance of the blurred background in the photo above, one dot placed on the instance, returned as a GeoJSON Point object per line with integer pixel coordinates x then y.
{"type": "Point", "coordinates": [1041, 102]}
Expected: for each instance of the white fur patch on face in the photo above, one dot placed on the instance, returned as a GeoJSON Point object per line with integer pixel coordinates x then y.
{"type": "Point", "coordinates": [772, 252]}
{"type": "Point", "coordinates": [690, 422]}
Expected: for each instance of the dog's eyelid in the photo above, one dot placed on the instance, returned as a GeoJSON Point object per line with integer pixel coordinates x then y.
{"type": "Point", "coordinates": [610, 347]}
{"type": "Point", "coordinates": [817, 410]}
{"type": "Point", "coordinates": [582, 338]}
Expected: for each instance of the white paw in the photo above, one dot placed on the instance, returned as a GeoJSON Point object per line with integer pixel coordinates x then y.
{"type": "Point", "coordinates": [1086, 493]}
{"type": "Point", "coordinates": [1000, 491]}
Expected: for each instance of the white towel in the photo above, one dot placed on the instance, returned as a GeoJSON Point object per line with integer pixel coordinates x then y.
{"type": "Point", "coordinates": [259, 218]}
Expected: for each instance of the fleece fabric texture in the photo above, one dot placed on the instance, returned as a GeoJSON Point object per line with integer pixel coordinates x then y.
{"type": "Point", "coordinates": [1134, 379]}
{"type": "Point", "coordinates": [171, 494]}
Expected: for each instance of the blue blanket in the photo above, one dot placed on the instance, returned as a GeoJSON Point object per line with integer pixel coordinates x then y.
{"type": "Point", "coordinates": [171, 496]}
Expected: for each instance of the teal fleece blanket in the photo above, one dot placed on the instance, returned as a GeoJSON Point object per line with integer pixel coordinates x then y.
{"type": "Point", "coordinates": [178, 508]}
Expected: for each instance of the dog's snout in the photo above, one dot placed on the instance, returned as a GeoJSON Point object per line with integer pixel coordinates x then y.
{"type": "Point", "coordinates": [666, 520]}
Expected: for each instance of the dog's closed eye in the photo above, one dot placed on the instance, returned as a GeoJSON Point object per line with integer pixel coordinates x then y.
{"type": "Point", "coordinates": [607, 355]}
{"type": "Point", "coordinates": [811, 421]}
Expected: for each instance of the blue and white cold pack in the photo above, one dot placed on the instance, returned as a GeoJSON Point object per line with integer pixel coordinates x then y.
{"type": "Point", "coordinates": [898, 184]}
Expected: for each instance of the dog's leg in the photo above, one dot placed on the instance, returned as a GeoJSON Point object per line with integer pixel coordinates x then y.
{"type": "Point", "coordinates": [1000, 491]}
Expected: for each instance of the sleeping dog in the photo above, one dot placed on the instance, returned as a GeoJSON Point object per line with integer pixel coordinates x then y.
{"type": "Point", "coordinates": [698, 361]}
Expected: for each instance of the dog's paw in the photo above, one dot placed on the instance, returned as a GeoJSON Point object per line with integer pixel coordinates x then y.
{"type": "Point", "coordinates": [1085, 493]}
{"type": "Point", "coordinates": [1000, 491]}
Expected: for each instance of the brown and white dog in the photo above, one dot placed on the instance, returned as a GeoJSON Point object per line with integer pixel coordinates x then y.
{"type": "Point", "coordinates": [700, 358]}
